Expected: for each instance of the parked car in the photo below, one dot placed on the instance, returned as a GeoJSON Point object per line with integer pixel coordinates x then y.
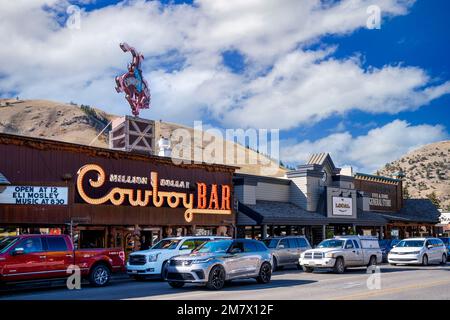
{"type": "Point", "coordinates": [215, 262]}
{"type": "Point", "coordinates": [446, 241]}
{"type": "Point", "coordinates": [152, 262]}
{"type": "Point", "coordinates": [39, 257]}
{"type": "Point", "coordinates": [286, 250]}
{"type": "Point", "coordinates": [418, 251]}
{"type": "Point", "coordinates": [386, 246]}
{"type": "Point", "coordinates": [341, 252]}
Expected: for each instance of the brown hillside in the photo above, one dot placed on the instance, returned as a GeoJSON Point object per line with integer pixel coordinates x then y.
{"type": "Point", "coordinates": [81, 124]}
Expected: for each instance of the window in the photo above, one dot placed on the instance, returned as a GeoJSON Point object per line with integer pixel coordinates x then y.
{"type": "Point", "coordinates": [356, 244]}
{"type": "Point", "coordinates": [56, 244]}
{"type": "Point", "coordinates": [260, 246]}
{"type": "Point", "coordinates": [31, 245]}
{"type": "Point", "coordinates": [271, 243]}
{"type": "Point", "coordinates": [285, 243]}
{"type": "Point", "coordinates": [193, 243]}
{"type": "Point", "coordinates": [349, 245]}
{"type": "Point", "coordinates": [237, 245]}
{"type": "Point", "coordinates": [302, 243]}
{"type": "Point", "coordinates": [293, 243]}
{"type": "Point", "coordinates": [249, 246]}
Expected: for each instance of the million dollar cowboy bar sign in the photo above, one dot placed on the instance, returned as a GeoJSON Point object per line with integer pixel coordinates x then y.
{"type": "Point", "coordinates": [97, 187]}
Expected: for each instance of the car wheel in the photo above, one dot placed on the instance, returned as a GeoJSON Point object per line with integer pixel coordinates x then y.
{"type": "Point", "coordinates": [216, 279]}
{"type": "Point", "coordinates": [265, 273]}
{"type": "Point", "coordinates": [372, 261]}
{"type": "Point", "coordinates": [339, 266]}
{"type": "Point", "coordinates": [425, 260]}
{"type": "Point", "coordinates": [444, 259]}
{"type": "Point", "coordinates": [163, 270]}
{"type": "Point", "coordinates": [99, 275]}
{"type": "Point", "coordinates": [176, 284]}
{"type": "Point", "coordinates": [275, 265]}
{"type": "Point", "coordinates": [308, 269]}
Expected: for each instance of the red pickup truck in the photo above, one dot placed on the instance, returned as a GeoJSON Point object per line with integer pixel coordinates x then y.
{"type": "Point", "coordinates": [36, 257]}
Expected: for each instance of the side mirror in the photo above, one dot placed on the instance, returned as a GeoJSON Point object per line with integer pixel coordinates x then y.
{"type": "Point", "coordinates": [429, 246]}
{"type": "Point", "coordinates": [281, 246]}
{"type": "Point", "coordinates": [17, 251]}
{"type": "Point", "coordinates": [236, 250]}
{"type": "Point", "coordinates": [184, 247]}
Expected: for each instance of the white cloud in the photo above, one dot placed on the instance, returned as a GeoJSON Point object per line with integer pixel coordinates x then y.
{"type": "Point", "coordinates": [367, 152]}
{"type": "Point", "coordinates": [45, 59]}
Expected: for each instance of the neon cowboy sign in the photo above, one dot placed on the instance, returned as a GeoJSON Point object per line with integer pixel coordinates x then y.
{"type": "Point", "coordinates": [214, 203]}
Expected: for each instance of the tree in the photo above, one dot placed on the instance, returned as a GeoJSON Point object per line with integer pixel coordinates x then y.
{"type": "Point", "coordinates": [433, 198]}
{"type": "Point", "coordinates": [406, 194]}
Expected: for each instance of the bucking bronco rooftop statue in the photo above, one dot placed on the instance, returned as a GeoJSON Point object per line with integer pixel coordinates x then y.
{"type": "Point", "coordinates": [133, 84]}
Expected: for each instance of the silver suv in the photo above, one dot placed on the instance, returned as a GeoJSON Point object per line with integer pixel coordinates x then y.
{"type": "Point", "coordinates": [287, 250]}
{"type": "Point", "coordinates": [218, 261]}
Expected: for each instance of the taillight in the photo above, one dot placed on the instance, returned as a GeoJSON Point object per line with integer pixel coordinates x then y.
{"type": "Point", "coordinates": [122, 255]}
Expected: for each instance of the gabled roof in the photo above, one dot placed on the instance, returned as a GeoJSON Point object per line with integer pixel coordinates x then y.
{"type": "Point", "coordinates": [323, 159]}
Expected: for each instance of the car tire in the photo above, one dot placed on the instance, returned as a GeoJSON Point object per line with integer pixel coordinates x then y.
{"type": "Point", "coordinates": [265, 273]}
{"type": "Point", "coordinates": [444, 259]}
{"type": "Point", "coordinates": [308, 269]}
{"type": "Point", "coordinates": [216, 279]}
{"type": "Point", "coordinates": [372, 261]}
{"type": "Point", "coordinates": [339, 266]}
{"type": "Point", "coordinates": [275, 265]}
{"type": "Point", "coordinates": [425, 260]}
{"type": "Point", "coordinates": [163, 270]}
{"type": "Point", "coordinates": [99, 275]}
{"type": "Point", "coordinates": [176, 285]}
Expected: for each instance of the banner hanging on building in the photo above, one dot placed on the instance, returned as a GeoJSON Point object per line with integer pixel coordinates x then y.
{"type": "Point", "coordinates": [37, 195]}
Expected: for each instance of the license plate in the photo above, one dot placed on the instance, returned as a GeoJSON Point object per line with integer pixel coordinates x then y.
{"type": "Point", "coordinates": [311, 263]}
{"type": "Point", "coordinates": [134, 271]}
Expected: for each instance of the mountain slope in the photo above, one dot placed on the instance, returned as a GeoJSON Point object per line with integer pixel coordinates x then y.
{"type": "Point", "coordinates": [82, 124]}
{"type": "Point", "coordinates": [427, 170]}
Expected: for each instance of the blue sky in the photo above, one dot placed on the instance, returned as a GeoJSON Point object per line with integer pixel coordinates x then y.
{"type": "Point", "coordinates": [309, 68]}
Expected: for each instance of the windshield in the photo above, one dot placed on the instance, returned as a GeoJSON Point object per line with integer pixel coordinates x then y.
{"type": "Point", "coordinates": [383, 243]}
{"type": "Point", "coordinates": [332, 243]}
{"type": "Point", "coordinates": [220, 246]}
{"type": "Point", "coordinates": [410, 243]}
{"type": "Point", "coordinates": [271, 243]}
{"type": "Point", "coordinates": [7, 242]}
{"type": "Point", "coordinates": [446, 240]}
{"type": "Point", "coordinates": [167, 244]}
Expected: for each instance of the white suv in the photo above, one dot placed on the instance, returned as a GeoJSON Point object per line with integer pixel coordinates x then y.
{"type": "Point", "coordinates": [152, 262]}
{"type": "Point", "coordinates": [418, 251]}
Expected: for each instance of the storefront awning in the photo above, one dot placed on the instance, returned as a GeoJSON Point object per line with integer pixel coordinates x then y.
{"type": "Point", "coordinates": [279, 213]}
{"type": "Point", "coordinates": [414, 211]}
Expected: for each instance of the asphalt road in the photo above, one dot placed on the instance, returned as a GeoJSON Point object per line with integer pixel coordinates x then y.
{"type": "Point", "coordinates": [400, 282]}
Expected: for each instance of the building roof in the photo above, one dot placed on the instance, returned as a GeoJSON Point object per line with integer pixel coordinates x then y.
{"type": "Point", "coordinates": [281, 213]}
{"type": "Point", "coordinates": [321, 159]}
{"type": "Point", "coordinates": [374, 178]}
{"type": "Point", "coordinates": [47, 144]}
{"type": "Point", "coordinates": [415, 210]}
{"type": "Point", "coordinates": [275, 212]}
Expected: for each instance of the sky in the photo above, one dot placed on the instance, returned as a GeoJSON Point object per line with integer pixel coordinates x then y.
{"type": "Point", "coordinates": [312, 69]}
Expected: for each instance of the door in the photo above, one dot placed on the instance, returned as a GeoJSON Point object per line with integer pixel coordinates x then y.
{"type": "Point", "coordinates": [29, 262]}
{"type": "Point", "coordinates": [359, 254]}
{"type": "Point", "coordinates": [251, 258]}
{"type": "Point", "coordinates": [303, 245]}
{"type": "Point", "coordinates": [235, 260]}
{"type": "Point", "coordinates": [283, 252]}
{"type": "Point", "coordinates": [294, 250]}
{"type": "Point", "coordinates": [59, 256]}
{"type": "Point", "coordinates": [350, 255]}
